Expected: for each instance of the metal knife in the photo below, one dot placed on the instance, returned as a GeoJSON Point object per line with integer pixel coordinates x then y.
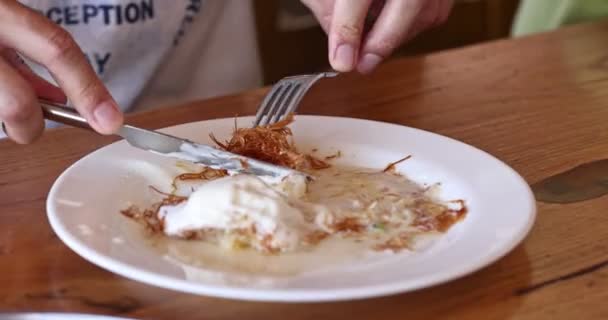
{"type": "Point", "coordinates": [171, 146]}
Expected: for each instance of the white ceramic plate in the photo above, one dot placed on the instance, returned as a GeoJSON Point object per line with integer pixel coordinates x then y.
{"type": "Point", "coordinates": [83, 209]}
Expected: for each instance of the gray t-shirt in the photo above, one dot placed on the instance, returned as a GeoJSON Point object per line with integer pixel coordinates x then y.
{"type": "Point", "coordinates": [152, 53]}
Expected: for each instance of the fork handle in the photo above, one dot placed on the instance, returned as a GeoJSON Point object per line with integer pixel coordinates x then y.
{"type": "Point", "coordinates": [62, 114]}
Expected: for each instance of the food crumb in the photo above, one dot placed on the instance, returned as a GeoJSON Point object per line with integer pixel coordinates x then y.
{"type": "Point", "coordinates": [334, 156]}
{"type": "Point", "coordinates": [85, 230]}
{"type": "Point", "coordinates": [392, 166]}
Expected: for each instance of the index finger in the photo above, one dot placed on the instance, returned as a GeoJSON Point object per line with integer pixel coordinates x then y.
{"type": "Point", "coordinates": [43, 41]}
{"type": "Point", "coordinates": [345, 33]}
{"type": "Point", "coordinates": [390, 30]}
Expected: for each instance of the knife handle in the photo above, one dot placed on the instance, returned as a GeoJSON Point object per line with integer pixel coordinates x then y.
{"type": "Point", "coordinates": [62, 114]}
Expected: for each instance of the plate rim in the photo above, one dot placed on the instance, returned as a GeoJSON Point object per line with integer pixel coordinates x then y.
{"type": "Point", "coordinates": [291, 295]}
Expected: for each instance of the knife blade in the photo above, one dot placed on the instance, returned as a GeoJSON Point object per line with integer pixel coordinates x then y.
{"type": "Point", "coordinates": [174, 147]}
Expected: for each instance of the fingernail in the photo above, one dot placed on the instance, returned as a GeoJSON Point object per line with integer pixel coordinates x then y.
{"type": "Point", "coordinates": [344, 58]}
{"type": "Point", "coordinates": [369, 62]}
{"type": "Point", "coordinates": [107, 116]}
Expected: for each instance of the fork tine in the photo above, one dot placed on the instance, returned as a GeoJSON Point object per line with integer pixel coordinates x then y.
{"type": "Point", "coordinates": [285, 96]}
{"type": "Point", "coordinates": [266, 105]}
{"type": "Point", "coordinates": [306, 85]}
{"type": "Point", "coordinates": [281, 111]}
{"type": "Point", "coordinates": [296, 97]}
{"type": "Point", "coordinates": [276, 105]}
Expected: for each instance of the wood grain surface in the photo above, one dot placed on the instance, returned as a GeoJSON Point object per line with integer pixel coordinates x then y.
{"type": "Point", "coordinates": [539, 103]}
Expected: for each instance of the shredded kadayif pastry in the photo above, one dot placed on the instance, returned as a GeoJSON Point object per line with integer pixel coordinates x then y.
{"type": "Point", "coordinates": [273, 144]}
{"type": "Point", "coordinates": [381, 208]}
{"type": "Point", "coordinates": [392, 166]}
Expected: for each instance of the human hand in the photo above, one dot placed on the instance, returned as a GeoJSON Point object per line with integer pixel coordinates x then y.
{"type": "Point", "coordinates": [24, 31]}
{"type": "Point", "coordinates": [392, 23]}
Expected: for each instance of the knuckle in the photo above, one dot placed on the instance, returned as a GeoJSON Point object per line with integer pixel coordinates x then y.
{"type": "Point", "coordinates": [325, 19]}
{"type": "Point", "coordinates": [349, 32]}
{"type": "Point", "coordinates": [441, 20]}
{"type": "Point", "coordinates": [6, 52]}
{"type": "Point", "coordinates": [30, 19]}
{"type": "Point", "coordinates": [385, 46]}
{"type": "Point", "coordinates": [61, 46]}
{"type": "Point", "coordinates": [16, 108]}
{"type": "Point", "coordinates": [427, 19]}
{"type": "Point", "coordinates": [59, 41]}
{"type": "Point", "coordinates": [443, 16]}
{"type": "Point", "coordinates": [90, 94]}
{"type": "Point", "coordinates": [443, 12]}
{"type": "Point", "coordinates": [435, 20]}
{"type": "Point", "coordinates": [415, 5]}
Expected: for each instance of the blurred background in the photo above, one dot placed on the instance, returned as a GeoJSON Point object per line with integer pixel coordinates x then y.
{"type": "Point", "coordinates": [291, 41]}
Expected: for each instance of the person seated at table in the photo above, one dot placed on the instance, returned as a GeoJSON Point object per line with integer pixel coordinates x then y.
{"type": "Point", "coordinates": [112, 56]}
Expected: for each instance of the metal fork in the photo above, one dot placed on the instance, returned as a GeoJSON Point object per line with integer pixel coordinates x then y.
{"type": "Point", "coordinates": [285, 96]}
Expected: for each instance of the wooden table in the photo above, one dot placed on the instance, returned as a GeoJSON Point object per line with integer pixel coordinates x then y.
{"type": "Point", "coordinates": [539, 103]}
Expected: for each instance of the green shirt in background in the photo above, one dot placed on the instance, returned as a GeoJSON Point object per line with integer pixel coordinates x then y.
{"type": "Point", "coordinates": [543, 15]}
